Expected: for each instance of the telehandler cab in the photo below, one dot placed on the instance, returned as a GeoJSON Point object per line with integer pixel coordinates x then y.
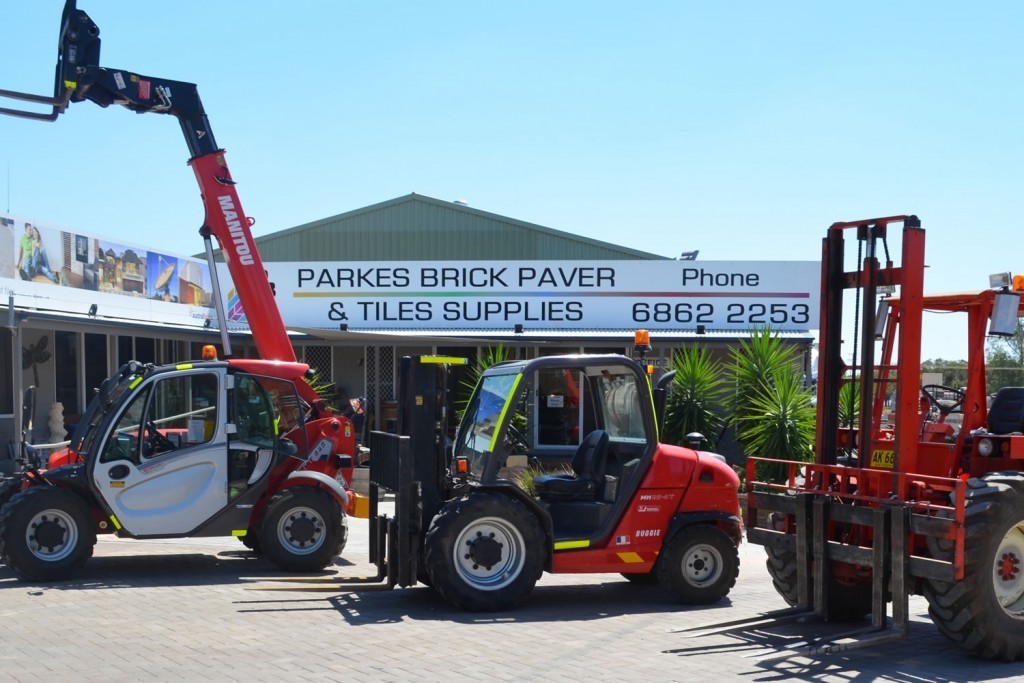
{"type": "Point", "coordinates": [468, 522]}
{"type": "Point", "coordinates": [901, 499]}
{"type": "Point", "coordinates": [207, 448]}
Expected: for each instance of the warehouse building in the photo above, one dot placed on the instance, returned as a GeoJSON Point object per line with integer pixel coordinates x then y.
{"type": "Point", "coordinates": [361, 289]}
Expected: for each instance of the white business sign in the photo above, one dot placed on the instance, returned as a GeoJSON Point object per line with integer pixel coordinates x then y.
{"type": "Point", "coordinates": [667, 295]}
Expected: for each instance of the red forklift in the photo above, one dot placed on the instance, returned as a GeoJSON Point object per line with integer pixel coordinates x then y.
{"type": "Point", "coordinates": [476, 520]}
{"type": "Point", "coordinates": [920, 491]}
{"type": "Point", "coordinates": [210, 447]}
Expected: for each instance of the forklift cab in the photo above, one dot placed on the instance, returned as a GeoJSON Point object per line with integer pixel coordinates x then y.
{"type": "Point", "coordinates": [582, 424]}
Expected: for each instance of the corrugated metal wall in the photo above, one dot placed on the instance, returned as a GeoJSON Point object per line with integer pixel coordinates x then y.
{"type": "Point", "coordinates": [419, 228]}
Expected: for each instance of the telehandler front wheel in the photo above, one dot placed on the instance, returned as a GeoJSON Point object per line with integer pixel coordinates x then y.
{"type": "Point", "coordinates": [47, 533]}
{"type": "Point", "coordinates": [699, 565]}
{"type": "Point", "coordinates": [984, 613]}
{"type": "Point", "coordinates": [484, 552]}
{"type": "Point", "coordinates": [303, 529]}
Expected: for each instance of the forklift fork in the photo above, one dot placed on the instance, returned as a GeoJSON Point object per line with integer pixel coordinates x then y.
{"type": "Point", "coordinates": [888, 558]}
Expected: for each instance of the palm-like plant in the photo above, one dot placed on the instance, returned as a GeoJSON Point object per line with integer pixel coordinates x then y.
{"type": "Point", "coordinates": [694, 393]}
{"type": "Point", "coordinates": [780, 423]}
{"type": "Point", "coordinates": [754, 366]}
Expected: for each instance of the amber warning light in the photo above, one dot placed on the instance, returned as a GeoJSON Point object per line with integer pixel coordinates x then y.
{"type": "Point", "coordinates": [209, 352]}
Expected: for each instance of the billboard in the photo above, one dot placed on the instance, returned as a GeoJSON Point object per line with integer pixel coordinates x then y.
{"type": "Point", "coordinates": [49, 267]}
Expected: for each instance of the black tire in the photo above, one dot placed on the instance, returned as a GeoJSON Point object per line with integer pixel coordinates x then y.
{"type": "Point", "coordinates": [302, 530]}
{"type": "Point", "coordinates": [251, 540]}
{"type": "Point", "coordinates": [8, 487]}
{"type": "Point", "coordinates": [984, 613]}
{"type": "Point", "coordinates": [484, 552]}
{"type": "Point", "coordinates": [848, 602]}
{"type": "Point", "coordinates": [648, 579]}
{"type": "Point", "coordinates": [47, 533]}
{"type": "Point", "coordinates": [698, 565]}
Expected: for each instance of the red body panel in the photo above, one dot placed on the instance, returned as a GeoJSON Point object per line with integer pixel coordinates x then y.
{"type": "Point", "coordinates": [702, 484]}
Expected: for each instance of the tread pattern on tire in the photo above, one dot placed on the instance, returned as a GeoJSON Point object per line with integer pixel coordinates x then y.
{"type": "Point", "coordinates": [670, 574]}
{"type": "Point", "coordinates": [447, 525]}
{"type": "Point", "coordinates": [966, 611]}
{"type": "Point", "coordinates": [847, 603]}
{"type": "Point", "coordinates": [333, 519]}
{"type": "Point", "coordinates": [23, 564]}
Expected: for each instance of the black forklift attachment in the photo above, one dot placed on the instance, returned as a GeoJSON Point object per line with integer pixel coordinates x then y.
{"type": "Point", "coordinates": [818, 505]}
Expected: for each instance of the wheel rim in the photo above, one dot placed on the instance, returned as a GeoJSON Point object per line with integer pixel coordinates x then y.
{"type": "Point", "coordinates": [702, 565]}
{"type": "Point", "coordinates": [489, 553]}
{"type": "Point", "coordinates": [1008, 572]}
{"type": "Point", "coordinates": [52, 535]}
{"type": "Point", "coordinates": [301, 531]}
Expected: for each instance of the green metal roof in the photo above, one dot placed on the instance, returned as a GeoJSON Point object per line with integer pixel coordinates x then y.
{"type": "Point", "coordinates": [419, 228]}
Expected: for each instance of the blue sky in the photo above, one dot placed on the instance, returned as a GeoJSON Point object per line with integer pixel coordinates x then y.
{"type": "Point", "coordinates": [741, 129]}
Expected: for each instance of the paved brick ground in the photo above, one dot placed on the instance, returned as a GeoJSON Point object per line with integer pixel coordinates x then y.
{"type": "Point", "coordinates": [184, 611]}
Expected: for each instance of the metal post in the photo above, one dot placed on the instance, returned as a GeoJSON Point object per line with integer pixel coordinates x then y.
{"type": "Point", "coordinates": [218, 299]}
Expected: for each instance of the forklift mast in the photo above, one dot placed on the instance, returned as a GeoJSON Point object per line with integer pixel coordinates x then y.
{"type": "Point", "coordinates": [871, 277]}
{"type": "Point", "coordinates": [80, 77]}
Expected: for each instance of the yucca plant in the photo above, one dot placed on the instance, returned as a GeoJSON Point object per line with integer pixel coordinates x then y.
{"type": "Point", "coordinates": [849, 404]}
{"type": "Point", "coordinates": [780, 423]}
{"type": "Point", "coordinates": [694, 394]}
{"type": "Point", "coordinates": [753, 367]}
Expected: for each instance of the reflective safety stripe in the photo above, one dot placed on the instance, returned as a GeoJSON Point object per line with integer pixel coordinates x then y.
{"type": "Point", "coordinates": [630, 558]}
{"type": "Point", "coordinates": [446, 360]}
{"type": "Point", "coordinates": [239, 532]}
{"type": "Point", "coordinates": [117, 524]}
{"type": "Point", "coordinates": [183, 366]}
{"type": "Point", "coordinates": [571, 545]}
{"type": "Point", "coordinates": [135, 383]}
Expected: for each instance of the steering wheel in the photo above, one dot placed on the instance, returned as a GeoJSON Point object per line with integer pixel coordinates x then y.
{"type": "Point", "coordinates": [158, 440]}
{"type": "Point", "coordinates": [516, 439]}
{"type": "Point", "coordinates": [930, 392]}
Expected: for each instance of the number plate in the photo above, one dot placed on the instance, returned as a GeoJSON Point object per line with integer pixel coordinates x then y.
{"type": "Point", "coordinates": [883, 459]}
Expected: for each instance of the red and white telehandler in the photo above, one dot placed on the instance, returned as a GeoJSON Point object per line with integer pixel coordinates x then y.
{"type": "Point", "coordinates": [211, 447]}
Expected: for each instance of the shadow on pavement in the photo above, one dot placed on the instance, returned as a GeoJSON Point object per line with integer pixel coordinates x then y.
{"type": "Point", "coordinates": [771, 655]}
{"type": "Point", "coordinates": [547, 603]}
{"type": "Point", "coordinates": [164, 569]}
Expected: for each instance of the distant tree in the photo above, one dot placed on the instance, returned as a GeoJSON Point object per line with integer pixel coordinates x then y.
{"type": "Point", "coordinates": [1004, 360]}
{"type": "Point", "coordinates": [954, 372]}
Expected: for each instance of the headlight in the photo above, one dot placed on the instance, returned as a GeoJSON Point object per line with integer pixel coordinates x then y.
{"type": "Point", "coordinates": [985, 447]}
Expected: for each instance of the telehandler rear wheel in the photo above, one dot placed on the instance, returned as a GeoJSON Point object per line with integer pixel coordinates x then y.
{"type": "Point", "coordinates": [302, 530]}
{"type": "Point", "coordinates": [984, 613]}
{"type": "Point", "coordinates": [47, 533]}
{"type": "Point", "coordinates": [483, 552]}
{"type": "Point", "coordinates": [8, 488]}
{"type": "Point", "coordinates": [847, 602]}
{"type": "Point", "coordinates": [699, 565]}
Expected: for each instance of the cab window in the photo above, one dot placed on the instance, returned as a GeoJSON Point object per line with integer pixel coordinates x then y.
{"type": "Point", "coordinates": [172, 412]}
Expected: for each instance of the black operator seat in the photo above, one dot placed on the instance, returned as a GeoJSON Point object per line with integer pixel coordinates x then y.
{"type": "Point", "coordinates": [588, 465]}
{"type": "Point", "coordinates": [1006, 414]}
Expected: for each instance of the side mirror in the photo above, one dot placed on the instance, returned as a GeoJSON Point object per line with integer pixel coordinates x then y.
{"type": "Point", "coordinates": [695, 440]}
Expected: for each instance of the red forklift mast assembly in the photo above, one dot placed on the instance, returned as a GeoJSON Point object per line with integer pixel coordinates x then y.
{"type": "Point", "coordinates": [901, 498]}
{"type": "Point", "coordinates": [239, 447]}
